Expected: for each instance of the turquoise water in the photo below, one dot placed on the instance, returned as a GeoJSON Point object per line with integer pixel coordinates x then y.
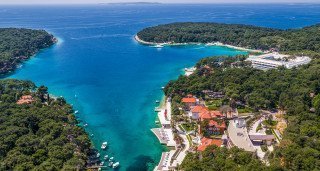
{"type": "Point", "coordinates": [114, 81]}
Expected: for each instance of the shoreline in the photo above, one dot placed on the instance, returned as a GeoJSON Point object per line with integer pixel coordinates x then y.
{"type": "Point", "coordinates": [136, 37]}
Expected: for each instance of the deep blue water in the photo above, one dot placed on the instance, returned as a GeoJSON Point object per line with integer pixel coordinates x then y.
{"type": "Point", "coordinates": [112, 80]}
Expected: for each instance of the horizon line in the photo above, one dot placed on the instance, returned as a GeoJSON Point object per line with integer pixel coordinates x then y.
{"type": "Point", "coordinates": [160, 3]}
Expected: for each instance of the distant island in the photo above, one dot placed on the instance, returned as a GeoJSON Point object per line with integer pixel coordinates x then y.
{"type": "Point", "coordinates": [246, 112]}
{"type": "Point", "coordinates": [39, 132]}
{"type": "Point", "coordinates": [133, 3]}
{"type": "Point", "coordinates": [291, 41]}
{"type": "Point", "coordinates": [19, 44]}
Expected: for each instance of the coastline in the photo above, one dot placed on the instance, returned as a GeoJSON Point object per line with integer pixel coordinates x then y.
{"type": "Point", "coordinates": [136, 37]}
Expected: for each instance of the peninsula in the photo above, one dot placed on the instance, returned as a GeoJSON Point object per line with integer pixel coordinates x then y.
{"type": "Point", "coordinates": [293, 41]}
{"type": "Point", "coordinates": [244, 113]}
{"type": "Point", "coordinates": [39, 132]}
{"type": "Point", "coordinates": [19, 44]}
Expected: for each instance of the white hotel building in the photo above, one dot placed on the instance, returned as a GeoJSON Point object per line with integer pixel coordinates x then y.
{"type": "Point", "coordinates": [275, 60]}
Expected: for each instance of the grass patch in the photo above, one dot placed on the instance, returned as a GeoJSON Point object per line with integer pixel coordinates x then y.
{"type": "Point", "coordinates": [269, 123]}
{"type": "Point", "coordinates": [188, 126]}
{"type": "Point", "coordinates": [189, 139]}
{"type": "Point", "coordinates": [259, 127]}
{"type": "Point", "coordinates": [264, 148]}
{"type": "Point", "coordinates": [245, 110]}
{"type": "Point", "coordinates": [275, 135]}
{"type": "Point", "coordinates": [214, 104]}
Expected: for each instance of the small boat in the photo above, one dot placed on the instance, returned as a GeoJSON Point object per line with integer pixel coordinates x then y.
{"type": "Point", "coordinates": [102, 163]}
{"type": "Point", "coordinates": [75, 112]}
{"type": "Point", "coordinates": [162, 87]}
{"type": "Point", "coordinates": [110, 164]}
{"type": "Point", "coordinates": [106, 157]}
{"type": "Point", "coordinates": [111, 159]}
{"type": "Point", "coordinates": [157, 101]}
{"type": "Point", "coordinates": [156, 109]}
{"type": "Point", "coordinates": [98, 155]}
{"type": "Point", "coordinates": [85, 125]}
{"type": "Point", "coordinates": [157, 122]}
{"type": "Point", "coordinates": [104, 145]}
{"type": "Point", "coordinates": [115, 165]}
{"type": "Point", "coordinates": [158, 46]}
{"type": "Point", "coordinates": [91, 135]}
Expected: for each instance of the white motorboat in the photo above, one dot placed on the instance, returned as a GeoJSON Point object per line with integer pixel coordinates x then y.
{"type": "Point", "coordinates": [158, 46]}
{"type": "Point", "coordinates": [111, 159]}
{"type": "Point", "coordinates": [104, 145]}
{"type": "Point", "coordinates": [98, 155]}
{"type": "Point", "coordinates": [105, 157]}
{"type": "Point", "coordinates": [115, 165]}
{"type": "Point", "coordinates": [75, 112]}
{"type": "Point", "coordinates": [102, 163]}
{"type": "Point", "coordinates": [110, 164]}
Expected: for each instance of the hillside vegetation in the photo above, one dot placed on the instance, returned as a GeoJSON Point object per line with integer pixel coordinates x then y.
{"type": "Point", "coordinates": [296, 91]}
{"type": "Point", "coordinates": [17, 45]}
{"type": "Point", "coordinates": [293, 41]}
{"type": "Point", "coordinates": [39, 136]}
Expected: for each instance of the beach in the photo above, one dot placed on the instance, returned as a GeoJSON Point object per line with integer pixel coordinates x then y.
{"type": "Point", "coordinates": [136, 37]}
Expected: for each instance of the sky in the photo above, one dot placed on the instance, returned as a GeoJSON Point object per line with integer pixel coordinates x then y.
{"type": "Point", "coordinates": [162, 1]}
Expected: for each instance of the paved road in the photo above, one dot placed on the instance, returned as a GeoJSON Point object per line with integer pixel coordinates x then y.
{"type": "Point", "coordinates": [240, 137]}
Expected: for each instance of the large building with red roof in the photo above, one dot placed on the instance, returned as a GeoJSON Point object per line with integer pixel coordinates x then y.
{"type": "Point", "coordinates": [205, 142]}
{"type": "Point", "coordinates": [202, 113]}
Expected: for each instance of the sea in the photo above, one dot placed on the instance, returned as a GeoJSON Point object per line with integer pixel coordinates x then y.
{"type": "Point", "coordinates": [113, 81]}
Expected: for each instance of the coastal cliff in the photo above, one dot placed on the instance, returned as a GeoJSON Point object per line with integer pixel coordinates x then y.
{"type": "Point", "coordinates": [19, 44]}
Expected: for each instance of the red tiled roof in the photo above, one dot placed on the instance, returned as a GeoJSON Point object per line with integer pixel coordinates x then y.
{"type": "Point", "coordinates": [199, 109]}
{"type": "Point", "coordinates": [205, 142]}
{"type": "Point", "coordinates": [189, 100]}
{"type": "Point", "coordinates": [205, 115]}
{"type": "Point", "coordinates": [216, 124]}
{"type": "Point", "coordinates": [26, 99]}
{"type": "Point", "coordinates": [216, 113]}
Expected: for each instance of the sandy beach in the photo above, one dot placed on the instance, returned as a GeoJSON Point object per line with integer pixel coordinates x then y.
{"type": "Point", "coordinates": [136, 37]}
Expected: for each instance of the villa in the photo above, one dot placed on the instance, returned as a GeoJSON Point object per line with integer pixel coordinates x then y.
{"type": "Point", "coordinates": [26, 99]}
{"type": "Point", "coordinates": [216, 128]}
{"type": "Point", "coordinates": [205, 142]}
{"type": "Point", "coordinates": [202, 113]}
{"type": "Point", "coordinates": [275, 60]}
{"type": "Point", "coordinates": [189, 101]}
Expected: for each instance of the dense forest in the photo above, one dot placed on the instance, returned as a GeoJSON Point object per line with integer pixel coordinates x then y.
{"type": "Point", "coordinates": [292, 41]}
{"type": "Point", "coordinates": [215, 158]}
{"type": "Point", "coordinates": [296, 91]}
{"type": "Point", "coordinates": [41, 135]}
{"type": "Point", "coordinates": [17, 45]}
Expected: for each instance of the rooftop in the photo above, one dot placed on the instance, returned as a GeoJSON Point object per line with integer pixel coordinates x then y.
{"type": "Point", "coordinates": [189, 100]}
{"type": "Point", "coordinates": [205, 142]}
{"type": "Point", "coordinates": [274, 60]}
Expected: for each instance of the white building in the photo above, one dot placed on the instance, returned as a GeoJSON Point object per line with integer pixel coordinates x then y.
{"type": "Point", "coordinates": [275, 60]}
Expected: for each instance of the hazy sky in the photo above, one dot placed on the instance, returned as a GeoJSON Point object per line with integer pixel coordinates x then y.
{"type": "Point", "coordinates": [163, 1]}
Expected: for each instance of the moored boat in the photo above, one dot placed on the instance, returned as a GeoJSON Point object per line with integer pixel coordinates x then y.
{"type": "Point", "coordinates": [105, 157]}
{"type": "Point", "coordinates": [104, 145]}
{"type": "Point", "coordinates": [115, 165]}
{"type": "Point", "coordinates": [111, 159]}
